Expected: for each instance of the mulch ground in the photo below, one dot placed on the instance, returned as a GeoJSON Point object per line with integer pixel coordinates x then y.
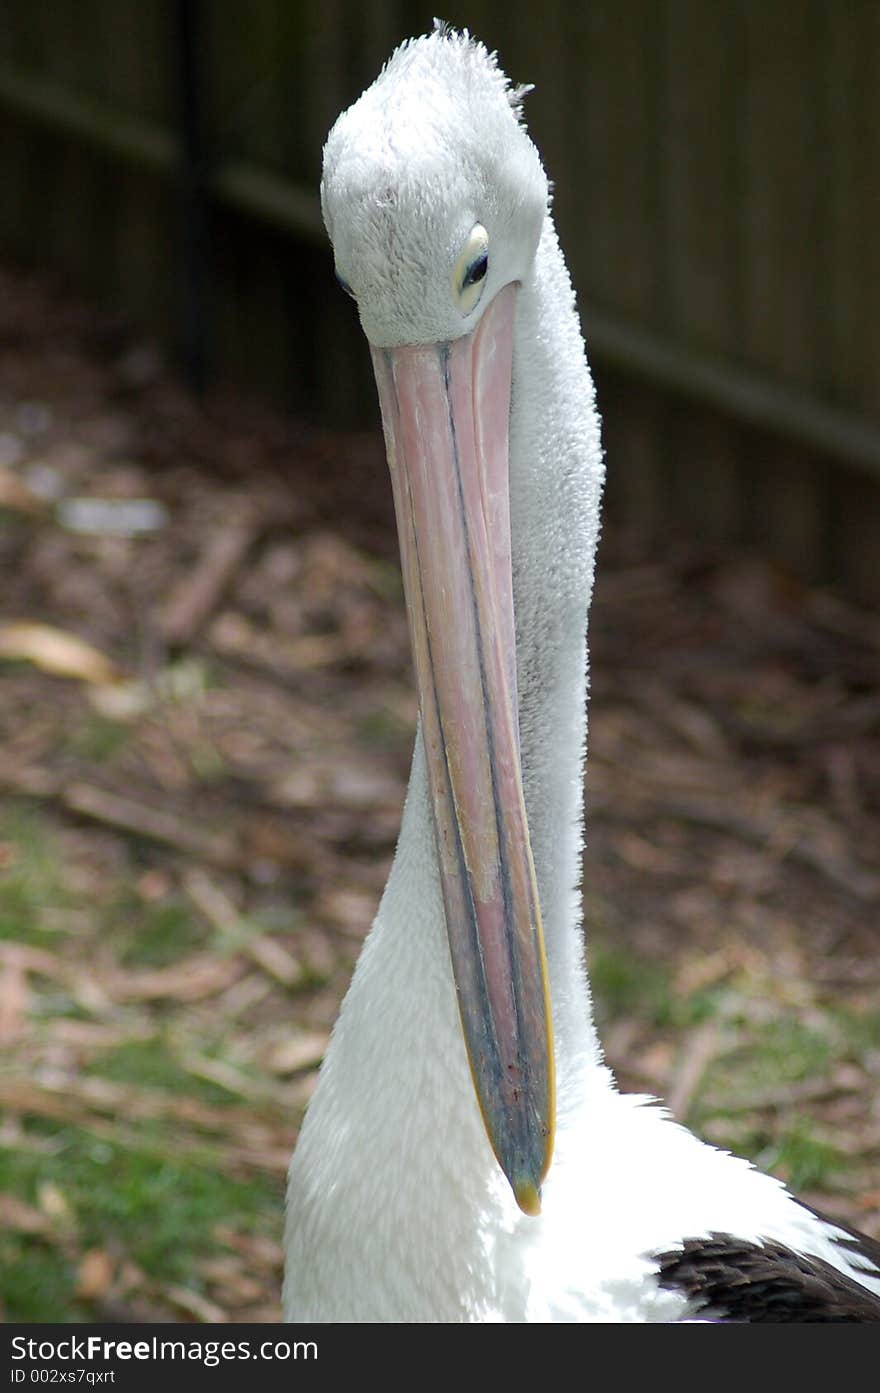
{"type": "Point", "coordinates": [206, 693]}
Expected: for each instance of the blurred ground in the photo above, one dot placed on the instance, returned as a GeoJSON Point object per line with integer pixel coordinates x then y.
{"type": "Point", "coordinates": [206, 714]}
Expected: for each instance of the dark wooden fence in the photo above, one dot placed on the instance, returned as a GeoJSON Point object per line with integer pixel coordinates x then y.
{"type": "Point", "coordinates": [717, 165]}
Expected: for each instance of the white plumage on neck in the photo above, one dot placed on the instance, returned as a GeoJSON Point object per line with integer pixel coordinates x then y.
{"type": "Point", "coordinates": [556, 476]}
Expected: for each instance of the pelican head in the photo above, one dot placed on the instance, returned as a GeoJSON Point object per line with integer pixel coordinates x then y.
{"type": "Point", "coordinates": [434, 198]}
{"type": "Point", "coordinates": [431, 152]}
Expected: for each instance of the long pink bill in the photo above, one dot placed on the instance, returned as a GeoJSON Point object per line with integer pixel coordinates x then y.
{"type": "Point", "coordinates": [445, 410]}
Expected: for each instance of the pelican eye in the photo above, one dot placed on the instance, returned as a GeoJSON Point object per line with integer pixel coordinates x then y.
{"type": "Point", "coordinates": [478, 269]}
{"type": "Point", "coordinates": [345, 286]}
{"type": "Point", "coordinates": [469, 272]}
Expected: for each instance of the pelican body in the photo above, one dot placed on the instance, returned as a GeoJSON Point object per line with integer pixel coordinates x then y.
{"type": "Point", "coordinates": [466, 1155]}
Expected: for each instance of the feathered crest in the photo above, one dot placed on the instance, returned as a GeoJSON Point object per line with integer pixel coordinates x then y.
{"type": "Point", "coordinates": [515, 94]}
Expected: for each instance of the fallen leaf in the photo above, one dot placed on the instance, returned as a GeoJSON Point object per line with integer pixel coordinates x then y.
{"type": "Point", "coordinates": [94, 1274]}
{"type": "Point", "coordinates": [299, 1052]}
{"type": "Point", "coordinates": [192, 979]}
{"type": "Point", "coordinates": [13, 1000]}
{"type": "Point", "coordinates": [55, 651]}
{"type": "Point", "coordinates": [19, 1217]}
{"type": "Point", "coordinates": [55, 1204]}
{"type": "Point", "coordinates": [15, 494]}
{"type": "Point", "coordinates": [195, 1305]}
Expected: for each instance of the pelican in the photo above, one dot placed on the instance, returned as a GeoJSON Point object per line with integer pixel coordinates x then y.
{"type": "Point", "coordinates": [466, 1155]}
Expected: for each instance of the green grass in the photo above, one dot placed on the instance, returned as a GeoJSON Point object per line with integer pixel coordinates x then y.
{"type": "Point", "coordinates": [763, 1056]}
{"type": "Point", "coordinates": [96, 738]}
{"type": "Point", "coordinates": [796, 1153]}
{"type": "Point", "coordinates": [624, 985]}
{"type": "Point", "coordinates": [141, 1198]}
{"type": "Point", "coordinates": [154, 934]}
{"type": "Point", "coordinates": [36, 1284]}
{"type": "Point", "coordinates": [31, 880]}
{"type": "Point", "coordinates": [383, 730]}
{"type": "Point", "coordinates": [801, 1158]}
{"type": "Point", "coordinates": [861, 1031]}
{"type": "Point", "coordinates": [784, 1051]}
{"type": "Point", "coordinates": [151, 1064]}
{"type": "Point", "coordinates": [34, 887]}
{"type": "Point", "coordinates": [160, 1211]}
{"type": "Point", "coordinates": [158, 1207]}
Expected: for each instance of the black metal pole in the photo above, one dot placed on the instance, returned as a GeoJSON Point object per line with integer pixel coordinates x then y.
{"type": "Point", "coordinates": [194, 171]}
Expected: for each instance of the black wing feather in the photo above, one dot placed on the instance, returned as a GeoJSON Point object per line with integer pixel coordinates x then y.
{"type": "Point", "coordinates": [732, 1280]}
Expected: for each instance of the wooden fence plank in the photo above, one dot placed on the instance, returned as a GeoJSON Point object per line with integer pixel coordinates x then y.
{"type": "Point", "coordinates": [615, 151]}
{"type": "Point", "coordinates": [700, 188]}
{"type": "Point", "coordinates": [619, 156]}
{"type": "Point", "coordinates": [785, 252]}
{"type": "Point", "coordinates": [780, 212]}
{"type": "Point", "coordinates": [701, 288]}
{"type": "Point", "coordinates": [866, 212]}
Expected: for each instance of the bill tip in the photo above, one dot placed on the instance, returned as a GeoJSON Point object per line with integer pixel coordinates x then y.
{"type": "Point", "coordinates": [528, 1197]}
